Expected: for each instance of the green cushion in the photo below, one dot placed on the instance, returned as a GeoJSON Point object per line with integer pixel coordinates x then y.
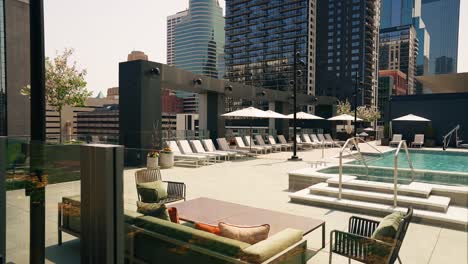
{"type": "Point", "coordinates": [225, 246]}
{"type": "Point", "coordinates": [153, 209]}
{"type": "Point", "coordinates": [266, 249]}
{"type": "Point", "coordinates": [129, 216]}
{"type": "Point", "coordinates": [386, 230]}
{"type": "Point", "coordinates": [152, 192]}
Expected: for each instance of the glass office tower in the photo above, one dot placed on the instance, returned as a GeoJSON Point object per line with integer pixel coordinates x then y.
{"type": "Point", "coordinates": [442, 18]}
{"type": "Point", "coordinates": [199, 39]}
{"type": "Point", "coordinates": [260, 39]}
{"type": "Point", "coordinates": [347, 46]}
{"type": "Point", "coordinates": [3, 121]}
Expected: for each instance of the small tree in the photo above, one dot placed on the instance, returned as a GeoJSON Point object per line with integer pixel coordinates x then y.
{"type": "Point", "coordinates": [343, 107]}
{"type": "Point", "coordinates": [65, 84]}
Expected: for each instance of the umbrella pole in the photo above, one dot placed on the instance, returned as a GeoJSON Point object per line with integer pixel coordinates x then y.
{"type": "Point", "coordinates": [250, 141]}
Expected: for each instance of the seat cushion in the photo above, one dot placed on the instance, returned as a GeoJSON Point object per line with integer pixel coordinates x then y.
{"type": "Point", "coordinates": [190, 235]}
{"type": "Point", "coordinates": [387, 228]}
{"type": "Point", "coordinates": [266, 249]}
{"type": "Point", "coordinates": [153, 209]}
{"type": "Point", "coordinates": [247, 234]}
{"type": "Point", "coordinates": [152, 192]}
{"type": "Point", "coordinates": [208, 228]}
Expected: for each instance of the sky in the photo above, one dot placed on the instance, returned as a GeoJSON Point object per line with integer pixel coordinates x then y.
{"type": "Point", "coordinates": [103, 32]}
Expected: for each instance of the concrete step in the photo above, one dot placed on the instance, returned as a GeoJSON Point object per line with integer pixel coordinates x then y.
{"type": "Point", "coordinates": [431, 203]}
{"type": "Point", "coordinates": [455, 217]}
{"type": "Point", "coordinates": [349, 182]}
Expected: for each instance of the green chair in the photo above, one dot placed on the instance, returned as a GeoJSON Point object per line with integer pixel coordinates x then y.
{"type": "Point", "coordinates": [176, 191]}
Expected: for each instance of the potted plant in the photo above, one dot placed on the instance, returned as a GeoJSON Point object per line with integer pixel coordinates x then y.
{"type": "Point", "coordinates": [166, 158]}
{"type": "Point", "coordinates": [429, 136]}
{"type": "Point", "coordinates": [152, 160]}
{"type": "Point", "coordinates": [385, 141]}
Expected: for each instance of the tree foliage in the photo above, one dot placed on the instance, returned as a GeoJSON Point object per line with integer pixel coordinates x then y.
{"type": "Point", "coordinates": [65, 83]}
{"type": "Point", "coordinates": [343, 108]}
{"type": "Point", "coordinates": [367, 113]}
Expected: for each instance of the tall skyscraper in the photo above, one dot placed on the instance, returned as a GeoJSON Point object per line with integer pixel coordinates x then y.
{"type": "Point", "coordinates": [172, 21]}
{"type": "Point", "coordinates": [442, 18]}
{"type": "Point", "coordinates": [260, 39]}
{"type": "Point", "coordinates": [347, 46]}
{"type": "Point", "coordinates": [398, 50]}
{"type": "Point", "coordinates": [401, 13]}
{"type": "Point", "coordinates": [199, 39]}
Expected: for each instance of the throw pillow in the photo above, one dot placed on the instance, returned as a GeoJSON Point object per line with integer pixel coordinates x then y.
{"type": "Point", "coordinates": [173, 215]}
{"type": "Point", "coordinates": [387, 228]}
{"type": "Point", "coordinates": [152, 192]}
{"type": "Point", "coordinates": [153, 209]}
{"type": "Point", "coordinates": [247, 234]}
{"type": "Point", "coordinates": [207, 228]}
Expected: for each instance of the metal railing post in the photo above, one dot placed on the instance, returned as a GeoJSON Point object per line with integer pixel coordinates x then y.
{"type": "Point", "coordinates": [395, 181]}
{"type": "Point", "coordinates": [340, 180]}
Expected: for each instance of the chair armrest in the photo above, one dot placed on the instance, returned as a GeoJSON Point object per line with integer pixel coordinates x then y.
{"type": "Point", "coordinates": [176, 189]}
{"type": "Point", "coordinates": [359, 248]}
{"type": "Point", "coordinates": [362, 226]}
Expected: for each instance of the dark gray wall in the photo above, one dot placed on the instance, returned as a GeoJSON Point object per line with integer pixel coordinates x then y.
{"type": "Point", "coordinates": [444, 110]}
{"type": "Point", "coordinates": [17, 69]}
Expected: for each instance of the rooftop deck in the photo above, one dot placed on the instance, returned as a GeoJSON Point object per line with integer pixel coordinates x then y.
{"type": "Point", "coordinates": [261, 182]}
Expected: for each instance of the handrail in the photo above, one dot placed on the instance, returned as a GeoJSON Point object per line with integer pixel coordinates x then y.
{"type": "Point", "coordinates": [363, 141]}
{"type": "Point", "coordinates": [449, 135]}
{"type": "Point", "coordinates": [395, 169]}
{"type": "Point", "coordinates": [340, 178]}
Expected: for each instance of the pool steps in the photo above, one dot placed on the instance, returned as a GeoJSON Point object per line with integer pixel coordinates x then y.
{"type": "Point", "coordinates": [431, 203]}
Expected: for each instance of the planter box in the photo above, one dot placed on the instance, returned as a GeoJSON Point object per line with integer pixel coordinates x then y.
{"type": "Point", "coordinates": [152, 163]}
{"type": "Point", "coordinates": [166, 159]}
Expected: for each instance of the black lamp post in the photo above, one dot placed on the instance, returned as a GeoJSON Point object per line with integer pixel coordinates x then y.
{"type": "Point", "coordinates": [356, 91]}
{"type": "Point", "coordinates": [296, 73]}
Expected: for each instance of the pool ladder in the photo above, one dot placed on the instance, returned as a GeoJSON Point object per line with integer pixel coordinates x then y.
{"type": "Point", "coordinates": [395, 169]}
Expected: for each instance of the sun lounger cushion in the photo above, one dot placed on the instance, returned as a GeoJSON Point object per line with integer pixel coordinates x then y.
{"type": "Point", "coordinates": [208, 228]}
{"type": "Point", "coordinates": [152, 192]}
{"type": "Point", "coordinates": [153, 209]}
{"type": "Point", "coordinates": [265, 249]}
{"type": "Point", "coordinates": [225, 246]}
{"type": "Point", "coordinates": [386, 230]}
{"type": "Point", "coordinates": [248, 234]}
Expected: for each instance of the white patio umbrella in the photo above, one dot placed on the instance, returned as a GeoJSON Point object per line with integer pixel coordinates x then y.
{"type": "Point", "coordinates": [410, 118]}
{"type": "Point", "coordinates": [303, 115]}
{"type": "Point", "coordinates": [249, 113]}
{"type": "Point", "coordinates": [344, 117]}
{"type": "Point", "coordinates": [273, 114]}
{"type": "Point", "coordinates": [369, 129]}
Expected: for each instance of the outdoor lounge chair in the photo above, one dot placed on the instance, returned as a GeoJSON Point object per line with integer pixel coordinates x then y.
{"type": "Point", "coordinates": [307, 140]}
{"type": "Point", "coordinates": [180, 158]}
{"type": "Point", "coordinates": [304, 144]}
{"type": "Point", "coordinates": [197, 145]}
{"type": "Point", "coordinates": [396, 139]}
{"type": "Point", "coordinates": [357, 243]}
{"type": "Point", "coordinates": [267, 149]}
{"type": "Point", "coordinates": [175, 190]}
{"type": "Point", "coordinates": [211, 148]}
{"type": "Point", "coordinates": [283, 140]}
{"type": "Point", "coordinates": [315, 138]}
{"type": "Point", "coordinates": [328, 143]}
{"type": "Point", "coordinates": [418, 140]}
{"type": "Point", "coordinates": [261, 143]}
{"type": "Point", "coordinates": [224, 146]}
{"type": "Point", "coordinates": [186, 149]}
{"type": "Point", "coordinates": [272, 141]}
{"type": "Point", "coordinates": [241, 145]}
{"type": "Point", "coordinates": [335, 142]}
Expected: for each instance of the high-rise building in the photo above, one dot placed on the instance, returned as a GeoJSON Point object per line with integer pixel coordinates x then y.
{"type": "Point", "coordinates": [137, 55]}
{"type": "Point", "coordinates": [199, 39]}
{"type": "Point", "coordinates": [397, 13]}
{"type": "Point", "coordinates": [391, 82]}
{"type": "Point", "coordinates": [172, 21]}
{"type": "Point", "coordinates": [398, 50]}
{"type": "Point", "coordinates": [347, 46]}
{"type": "Point", "coordinates": [260, 39]}
{"type": "Point", "coordinates": [442, 19]}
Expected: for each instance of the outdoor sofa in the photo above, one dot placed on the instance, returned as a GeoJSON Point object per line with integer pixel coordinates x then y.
{"type": "Point", "coordinates": [152, 240]}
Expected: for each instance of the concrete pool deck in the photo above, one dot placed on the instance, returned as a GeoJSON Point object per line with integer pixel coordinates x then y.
{"type": "Point", "coordinates": [261, 182]}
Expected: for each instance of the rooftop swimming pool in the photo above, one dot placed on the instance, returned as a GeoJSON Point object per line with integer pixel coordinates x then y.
{"type": "Point", "coordinates": [423, 160]}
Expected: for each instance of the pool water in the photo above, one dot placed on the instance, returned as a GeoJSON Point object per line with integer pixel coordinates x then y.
{"type": "Point", "coordinates": [423, 160]}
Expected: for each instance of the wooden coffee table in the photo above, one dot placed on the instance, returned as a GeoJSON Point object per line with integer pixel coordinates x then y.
{"type": "Point", "coordinates": [211, 211]}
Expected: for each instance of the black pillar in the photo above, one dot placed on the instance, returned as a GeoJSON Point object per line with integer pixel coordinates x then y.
{"type": "Point", "coordinates": [282, 125]}
{"type": "Point", "coordinates": [38, 133]}
{"type": "Point", "coordinates": [140, 110]}
{"type": "Point", "coordinates": [215, 108]}
{"type": "Point", "coordinates": [3, 158]}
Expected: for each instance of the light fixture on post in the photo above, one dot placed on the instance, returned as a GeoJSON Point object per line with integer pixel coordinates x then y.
{"type": "Point", "coordinates": [355, 95]}
{"type": "Point", "coordinates": [296, 73]}
{"type": "Point", "coordinates": [155, 71]}
{"type": "Point", "coordinates": [197, 81]}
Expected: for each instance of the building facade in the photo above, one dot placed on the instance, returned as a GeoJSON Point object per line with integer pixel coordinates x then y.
{"type": "Point", "coordinates": [260, 40]}
{"type": "Point", "coordinates": [442, 19]}
{"type": "Point", "coordinates": [137, 55]}
{"type": "Point", "coordinates": [3, 110]}
{"type": "Point", "coordinates": [398, 50]}
{"type": "Point", "coordinates": [172, 21]}
{"type": "Point", "coordinates": [391, 82]}
{"type": "Point", "coordinates": [347, 46]}
{"type": "Point", "coordinates": [199, 39]}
